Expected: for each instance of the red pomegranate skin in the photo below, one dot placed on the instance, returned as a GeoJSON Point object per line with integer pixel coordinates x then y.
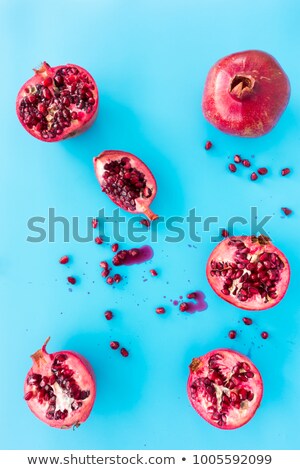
{"type": "Point", "coordinates": [142, 197]}
{"type": "Point", "coordinates": [266, 263]}
{"type": "Point", "coordinates": [225, 374]}
{"type": "Point", "coordinates": [245, 93]}
{"type": "Point", "coordinates": [85, 116]}
{"type": "Point", "coordinates": [83, 375]}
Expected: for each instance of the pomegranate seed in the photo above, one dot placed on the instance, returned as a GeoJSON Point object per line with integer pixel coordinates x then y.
{"type": "Point", "coordinates": [117, 278]}
{"type": "Point", "coordinates": [47, 81]}
{"type": "Point", "coordinates": [64, 260]}
{"type": "Point", "coordinates": [247, 321]}
{"type": "Point", "coordinates": [208, 145]}
{"type": "Point", "coordinates": [153, 272]}
{"type": "Point", "coordinates": [160, 310]}
{"type": "Point", "coordinates": [98, 240]}
{"type": "Point", "coordinates": [71, 280]}
{"type": "Point", "coordinates": [264, 335]}
{"type": "Point", "coordinates": [232, 167]}
{"type": "Point", "coordinates": [115, 247]}
{"type": "Point", "coordinates": [183, 307]}
{"type": "Point", "coordinates": [108, 315]}
{"type": "Point", "coordinates": [124, 352]}
{"type": "Point", "coordinates": [232, 334]}
{"type": "Point", "coordinates": [94, 221]}
{"type": "Point", "coordinates": [145, 222]}
{"type": "Point", "coordinates": [114, 344]}
{"type": "Point", "coordinates": [28, 395]}
{"type": "Point", "coordinates": [192, 295]}
{"type": "Point", "coordinates": [253, 176]}
{"type": "Point", "coordinates": [262, 171]}
{"type": "Point", "coordinates": [225, 233]}
{"type": "Point", "coordinates": [134, 252]}
{"type": "Point", "coordinates": [103, 264]}
{"type": "Point", "coordinates": [105, 273]}
{"type": "Point", "coordinates": [246, 163]}
{"type": "Point", "coordinates": [286, 211]}
{"type": "Point", "coordinates": [285, 171]}
{"type": "Point", "coordinates": [110, 280]}
{"type": "Point", "coordinates": [237, 159]}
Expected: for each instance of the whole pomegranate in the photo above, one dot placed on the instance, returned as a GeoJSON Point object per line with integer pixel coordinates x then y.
{"type": "Point", "coordinates": [60, 388]}
{"type": "Point", "coordinates": [225, 388]}
{"type": "Point", "coordinates": [57, 102]}
{"type": "Point", "coordinates": [127, 181]}
{"type": "Point", "coordinates": [248, 272]}
{"type": "Point", "coordinates": [245, 93]}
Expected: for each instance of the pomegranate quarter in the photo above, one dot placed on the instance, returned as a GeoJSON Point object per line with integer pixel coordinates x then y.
{"type": "Point", "coordinates": [245, 93]}
{"type": "Point", "coordinates": [225, 388]}
{"type": "Point", "coordinates": [60, 388]}
{"type": "Point", "coordinates": [58, 102]}
{"type": "Point", "coordinates": [127, 181]}
{"type": "Point", "coordinates": [248, 272]}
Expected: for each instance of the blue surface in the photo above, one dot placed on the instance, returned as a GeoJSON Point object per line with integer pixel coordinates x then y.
{"type": "Point", "coordinates": [150, 60]}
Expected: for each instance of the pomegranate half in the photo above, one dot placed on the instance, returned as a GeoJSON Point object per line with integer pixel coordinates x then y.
{"type": "Point", "coordinates": [225, 388]}
{"type": "Point", "coordinates": [245, 93]}
{"type": "Point", "coordinates": [60, 388]}
{"type": "Point", "coordinates": [127, 181]}
{"type": "Point", "coordinates": [57, 102]}
{"type": "Point", "coordinates": [248, 272]}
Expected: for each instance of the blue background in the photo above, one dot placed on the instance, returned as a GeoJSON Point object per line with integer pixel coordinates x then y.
{"type": "Point", "coordinates": [150, 60]}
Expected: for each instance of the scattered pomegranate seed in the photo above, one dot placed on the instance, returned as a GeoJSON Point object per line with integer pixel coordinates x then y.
{"type": "Point", "coordinates": [145, 222]}
{"type": "Point", "coordinates": [246, 163]}
{"type": "Point", "coordinates": [232, 334]}
{"type": "Point", "coordinates": [117, 278]}
{"type": "Point", "coordinates": [114, 344]}
{"type": "Point", "coordinates": [153, 272]}
{"type": "Point", "coordinates": [64, 260]}
{"type": "Point", "coordinates": [264, 335]}
{"type": "Point", "coordinates": [208, 145]}
{"type": "Point", "coordinates": [115, 247]}
{"type": "Point", "coordinates": [285, 171]}
{"type": "Point", "coordinates": [232, 167]}
{"type": "Point", "coordinates": [124, 352]}
{"type": "Point", "coordinates": [192, 295]}
{"type": "Point", "coordinates": [105, 273]}
{"type": "Point", "coordinates": [262, 171]}
{"type": "Point", "coordinates": [110, 280]}
{"type": "Point", "coordinates": [98, 240]}
{"type": "Point", "coordinates": [71, 280]}
{"type": "Point", "coordinates": [134, 252]}
{"type": "Point", "coordinates": [286, 211]}
{"type": "Point", "coordinates": [108, 315]}
{"type": "Point", "coordinates": [237, 159]}
{"type": "Point", "coordinates": [103, 264]}
{"type": "Point", "coordinates": [183, 307]}
{"type": "Point", "coordinates": [225, 233]}
{"type": "Point", "coordinates": [247, 321]}
{"type": "Point", "coordinates": [160, 310]}
{"type": "Point", "coordinates": [28, 395]}
{"type": "Point", "coordinates": [253, 176]}
{"type": "Point", "coordinates": [94, 223]}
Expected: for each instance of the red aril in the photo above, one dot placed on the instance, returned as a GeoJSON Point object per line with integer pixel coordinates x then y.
{"type": "Point", "coordinates": [60, 388]}
{"type": "Point", "coordinates": [58, 102]}
{"type": "Point", "coordinates": [248, 272]}
{"type": "Point", "coordinates": [225, 388]}
{"type": "Point", "coordinates": [245, 93]}
{"type": "Point", "coordinates": [127, 181]}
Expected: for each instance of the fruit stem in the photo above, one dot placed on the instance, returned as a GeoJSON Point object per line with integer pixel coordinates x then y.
{"type": "Point", "coordinates": [39, 356]}
{"type": "Point", "coordinates": [241, 86]}
{"type": "Point", "coordinates": [148, 212]}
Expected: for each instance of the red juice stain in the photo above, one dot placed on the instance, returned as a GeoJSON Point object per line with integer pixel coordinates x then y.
{"type": "Point", "coordinates": [145, 254]}
{"type": "Point", "coordinates": [180, 297]}
{"type": "Point", "coordinates": [199, 303]}
{"type": "Point", "coordinates": [175, 302]}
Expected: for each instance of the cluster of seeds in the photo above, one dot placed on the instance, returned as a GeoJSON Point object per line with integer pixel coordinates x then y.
{"type": "Point", "coordinates": [49, 107]}
{"type": "Point", "coordinates": [124, 183]}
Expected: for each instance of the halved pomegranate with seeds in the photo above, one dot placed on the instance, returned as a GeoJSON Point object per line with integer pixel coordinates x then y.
{"type": "Point", "coordinates": [60, 388]}
{"type": "Point", "coordinates": [225, 388]}
{"type": "Point", "coordinates": [127, 181]}
{"type": "Point", "coordinates": [248, 272]}
{"type": "Point", "coordinates": [58, 102]}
